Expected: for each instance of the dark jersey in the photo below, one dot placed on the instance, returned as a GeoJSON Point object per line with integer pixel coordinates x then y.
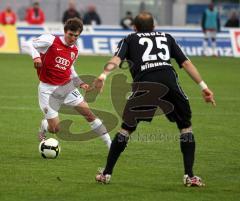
{"type": "Point", "coordinates": [149, 51]}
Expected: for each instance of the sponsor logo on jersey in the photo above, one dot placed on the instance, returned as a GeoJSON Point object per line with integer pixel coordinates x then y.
{"type": "Point", "coordinates": [60, 67]}
{"type": "Point", "coordinates": [62, 61]}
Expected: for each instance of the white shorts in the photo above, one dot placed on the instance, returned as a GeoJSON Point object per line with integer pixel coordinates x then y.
{"type": "Point", "coordinates": [210, 34]}
{"type": "Point", "coordinates": [51, 97]}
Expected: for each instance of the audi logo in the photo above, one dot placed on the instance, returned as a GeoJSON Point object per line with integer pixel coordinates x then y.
{"type": "Point", "coordinates": [62, 61]}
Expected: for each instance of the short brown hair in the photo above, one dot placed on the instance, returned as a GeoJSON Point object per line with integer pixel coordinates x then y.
{"type": "Point", "coordinates": [144, 22]}
{"type": "Point", "coordinates": [73, 24]}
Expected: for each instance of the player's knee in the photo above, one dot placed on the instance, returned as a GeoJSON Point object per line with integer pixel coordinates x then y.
{"type": "Point", "coordinates": [90, 118]}
{"type": "Point", "coordinates": [184, 124]}
{"type": "Point", "coordinates": [129, 129]}
{"type": "Point", "coordinates": [186, 130]}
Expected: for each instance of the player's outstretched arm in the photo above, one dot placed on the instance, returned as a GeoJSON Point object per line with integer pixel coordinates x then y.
{"type": "Point", "coordinates": [207, 94]}
{"type": "Point", "coordinates": [112, 64]}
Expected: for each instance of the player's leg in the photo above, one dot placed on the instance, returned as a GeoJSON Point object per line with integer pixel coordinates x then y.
{"type": "Point", "coordinates": [95, 123]}
{"type": "Point", "coordinates": [182, 116]}
{"type": "Point", "coordinates": [129, 125]}
{"type": "Point", "coordinates": [187, 144]}
{"type": "Point", "coordinates": [51, 121]}
{"type": "Point", "coordinates": [118, 145]}
{"type": "Point", "coordinates": [48, 125]}
{"type": "Point", "coordinates": [76, 100]}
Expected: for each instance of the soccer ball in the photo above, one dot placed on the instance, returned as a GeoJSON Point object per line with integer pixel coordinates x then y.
{"type": "Point", "coordinates": [49, 148]}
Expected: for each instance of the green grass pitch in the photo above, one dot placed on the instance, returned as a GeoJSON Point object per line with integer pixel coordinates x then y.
{"type": "Point", "coordinates": [151, 166]}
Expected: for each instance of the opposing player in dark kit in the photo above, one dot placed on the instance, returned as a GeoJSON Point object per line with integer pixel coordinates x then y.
{"type": "Point", "coordinates": [150, 52]}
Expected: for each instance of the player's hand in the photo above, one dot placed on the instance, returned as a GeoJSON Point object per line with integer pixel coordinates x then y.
{"type": "Point", "coordinates": [37, 63]}
{"type": "Point", "coordinates": [85, 87]}
{"type": "Point", "coordinates": [98, 84]}
{"type": "Point", "coordinates": [208, 96]}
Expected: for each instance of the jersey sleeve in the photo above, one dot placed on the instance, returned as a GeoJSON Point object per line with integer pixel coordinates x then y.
{"type": "Point", "coordinates": [73, 72]}
{"type": "Point", "coordinates": [121, 50]}
{"type": "Point", "coordinates": [176, 52]}
{"type": "Point", "coordinates": [38, 45]}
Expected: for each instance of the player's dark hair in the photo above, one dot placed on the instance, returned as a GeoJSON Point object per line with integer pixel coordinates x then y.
{"type": "Point", "coordinates": [144, 22]}
{"type": "Point", "coordinates": [73, 24]}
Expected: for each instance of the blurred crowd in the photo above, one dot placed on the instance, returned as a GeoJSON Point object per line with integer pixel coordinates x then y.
{"type": "Point", "coordinates": [90, 17]}
{"type": "Point", "coordinates": [34, 15]}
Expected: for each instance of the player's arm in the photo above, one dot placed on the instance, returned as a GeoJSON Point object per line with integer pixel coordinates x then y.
{"type": "Point", "coordinates": [112, 64]}
{"type": "Point", "coordinates": [184, 62]}
{"type": "Point", "coordinates": [36, 46]}
{"type": "Point", "coordinates": [77, 81]}
{"type": "Point", "coordinates": [195, 75]}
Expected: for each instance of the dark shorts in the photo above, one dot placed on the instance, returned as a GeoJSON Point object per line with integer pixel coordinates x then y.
{"type": "Point", "coordinates": [166, 95]}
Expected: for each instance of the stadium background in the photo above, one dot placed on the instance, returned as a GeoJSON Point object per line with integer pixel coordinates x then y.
{"type": "Point", "coordinates": [151, 167]}
{"type": "Point", "coordinates": [166, 12]}
{"type": "Point", "coordinates": [180, 18]}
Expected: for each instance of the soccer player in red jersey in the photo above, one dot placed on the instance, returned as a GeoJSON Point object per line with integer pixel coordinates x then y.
{"type": "Point", "coordinates": [53, 57]}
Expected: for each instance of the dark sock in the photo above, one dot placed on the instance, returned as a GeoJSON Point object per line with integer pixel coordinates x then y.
{"type": "Point", "coordinates": [118, 145]}
{"type": "Point", "coordinates": [187, 144]}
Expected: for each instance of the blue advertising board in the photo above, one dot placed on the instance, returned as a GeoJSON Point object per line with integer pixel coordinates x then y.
{"type": "Point", "coordinates": [103, 40]}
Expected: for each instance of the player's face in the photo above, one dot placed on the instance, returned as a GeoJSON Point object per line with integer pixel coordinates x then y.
{"type": "Point", "coordinates": [71, 36]}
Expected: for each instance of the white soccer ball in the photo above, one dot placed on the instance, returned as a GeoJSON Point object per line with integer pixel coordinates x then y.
{"type": "Point", "coordinates": [49, 148]}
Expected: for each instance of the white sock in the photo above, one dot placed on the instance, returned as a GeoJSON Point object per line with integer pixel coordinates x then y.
{"type": "Point", "coordinates": [44, 126]}
{"type": "Point", "coordinates": [98, 127]}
